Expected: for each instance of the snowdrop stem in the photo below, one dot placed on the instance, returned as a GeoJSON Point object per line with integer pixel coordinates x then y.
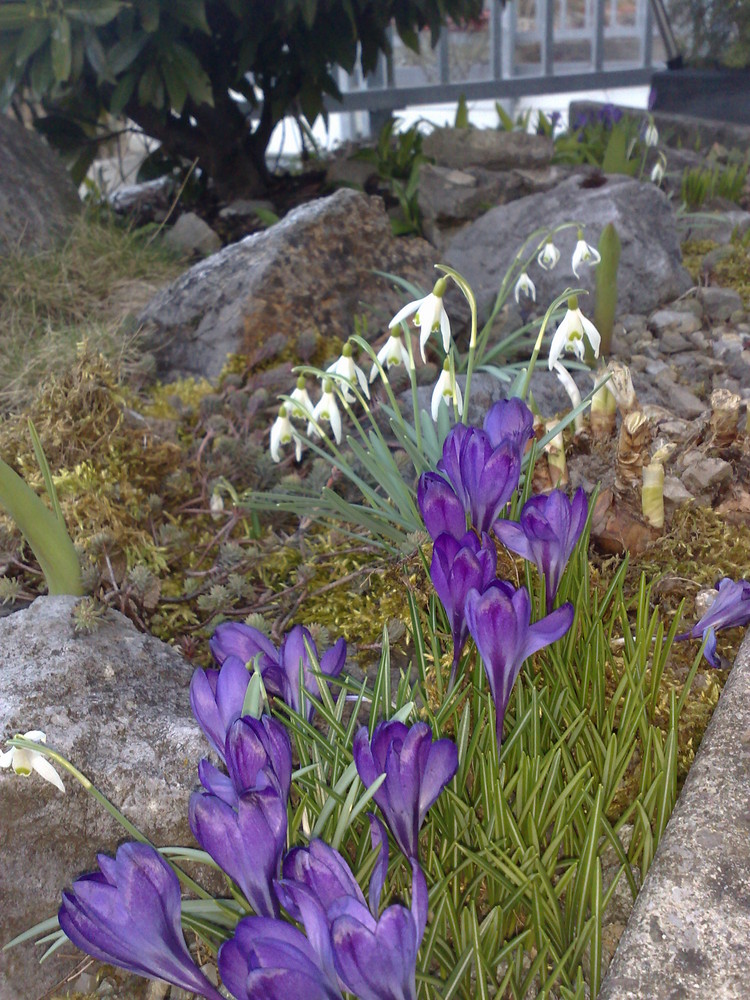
{"type": "Point", "coordinates": [556, 303]}
{"type": "Point", "coordinates": [414, 394]}
{"type": "Point", "coordinates": [101, 798]}
{"type": "Point", "coordinates": [468, 294]}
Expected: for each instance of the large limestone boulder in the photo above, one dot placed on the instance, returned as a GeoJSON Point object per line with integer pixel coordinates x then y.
{"type": "Point", "coordinates": [312, 271]}
{"type": "Point", "coordinates": [650, 271]}
{"type": "Point", "coordinates": [38, 200]}
{"type": "Point", "coordinates": [115, 703]}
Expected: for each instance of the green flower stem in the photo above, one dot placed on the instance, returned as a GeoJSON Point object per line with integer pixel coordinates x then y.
{"type": "Point", "coordinates": [101, 798]}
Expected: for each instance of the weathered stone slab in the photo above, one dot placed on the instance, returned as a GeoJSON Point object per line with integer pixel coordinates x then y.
{"type": "Point", "coordinates": [494, 150]}
{"type": "Point", "coordinates": [116, 704]}
{"type": "Point", "coordinates": [689, 931]}
{"type": "Point", "coordinates": [38, 200]}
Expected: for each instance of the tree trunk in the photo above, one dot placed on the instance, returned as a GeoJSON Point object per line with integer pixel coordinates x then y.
{"type": "Point", "coordinates": [220, 139]}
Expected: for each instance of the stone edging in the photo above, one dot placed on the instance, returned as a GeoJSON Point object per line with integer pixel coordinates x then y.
{"type": "Point", "coordinates": [689, 931]}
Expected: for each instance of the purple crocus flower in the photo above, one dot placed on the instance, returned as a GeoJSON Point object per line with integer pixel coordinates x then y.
{"type": "Point", "coordinates": [731, 608]}
{"type": "Point", "coordinates": [375, 958]}
{"type": "Point", "coordinates": [458, 567]}
{"type": "Point", "coordinates": [483, 477]}
{"type": "Point", "coordinates": [241, 820]}
{"type": "Point", "coordinates": [416, 771]}
{"type": "Point", "coordinates": [217, 697]}
{"type": "Point", "coordinates": [442, 511]}
{"type": "Point", "coordinates": [549, 528]}
{"type": "Point", "coordinates": [272, 960]}
{"type": "Point", "coordinates": [243, 641]}
{"type": "Point", "coordinates": [128, 915]}
{"type": "Point", "coordinates": [500, 624]}
{"type": "Point", "coordinates": [509, 420]}
{"type": "Point", "coordinates": [283, 678]}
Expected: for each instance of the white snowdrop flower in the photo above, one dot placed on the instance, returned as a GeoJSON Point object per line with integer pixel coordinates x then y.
{"type": "Point", "coordinates": [429, 315]}
{"type": "Point", "coordinates": [281, 432]}
{"type": "Point", "coordinates": [651, 135]}
{"type": "Point", "coordinates": [216, 505]}
{"type": "Point", "coordinates": [25, 761]}
{"type": "Point", "coordinates": [548, 256]}
{"type": "Point", "coordinates": [326, 411]}
{"type": "Point", "coordinates": [571, 333]}
{"type": "Point", "coordinates": [346, 368]}
{"type": "Point", "coordinates": [574, 393]}
{"type": "Point", "coordinates": [393, 352]}
{"type": "Point", "coordinates": [658, 170]}
{"type": "Point", "coordinates": [526, 286]}
{"type": "Point", "coordinates": [584, 253]}
{"type": "Point", "coordinates": [446, 391]}
{"type": "Point", "coordinates": [301, 404]}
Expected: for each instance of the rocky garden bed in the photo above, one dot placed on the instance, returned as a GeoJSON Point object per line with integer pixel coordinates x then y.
{"type": "Point", "coordinates": [153, 463]}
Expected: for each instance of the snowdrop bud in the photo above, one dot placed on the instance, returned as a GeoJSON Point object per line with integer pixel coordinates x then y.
{"type": "Point", "coordinates": [281, 432]}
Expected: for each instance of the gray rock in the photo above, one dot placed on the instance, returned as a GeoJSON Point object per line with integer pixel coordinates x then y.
{"type": "Point", "coordinates": [145, 202]}
{"type": "Point", "coordinates": [494, 150]}
{"type": "Point", "coordinates": [665, 321]}
{"type": "Point", "coordinates": [312, 270]}
{"type": "Point", "coordinates": [190, 234]}
{"type": "Point", "coordinates": [38, 201]}
{"type": "Point", "coordinates": [720, 228]}
{"type": "Point", "coordinates": [116, 704]}
{"type": "Point", "coordinates": [650, 270]}
{"type": "Point", "coordinates": [245, 208]}
{"type": "Point", "coordinates": [719, 303]}
{"type": "Point", "coordinates": [346, 169]}
{"type": "Point", "coordinates": [688, 932]}
{"type": "Point", "coordinates": [677, 398]}
{"type": "Point", "coordinates": [446, 195]}
{"type": "Point", "coordinates": [675, 494]}
{"type": "Point", "coordinates": [706, 474]}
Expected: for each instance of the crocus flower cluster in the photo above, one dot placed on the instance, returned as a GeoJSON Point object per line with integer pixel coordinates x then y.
{"type": "Point", "coordinates": [129, 913]}
{"type": "Point", "coordinates": [480, 472]}
{"type": "Point", "coordinates": [730, 608]}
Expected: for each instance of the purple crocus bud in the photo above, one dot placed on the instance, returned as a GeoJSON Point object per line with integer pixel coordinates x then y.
{"type": "Point", "coordinates": [458, 567]}
{"type": "Point", "coordinates": [499, 623]}
{"type": "Point", "coordinates": [217, 697]}
{"type": "Point", "coordinates": [488, 476]}
{"type": "Point", "coordinates": [416, 771]}
{"type": "Point", "coordinates": [245, 841]}
{"type": "Point", "coordinates": [731, 608]}
{"type": "Point", "coordinates": [509, 420]}
{"type": "Point", "coordinates": [128, 915]}
{"type": "Point", "coordinates": [450, 462]}
{"type": "Point", "coordinates": [241, 820]}
{"type": "Point", "coordinates": [550, 526]}
{"type": "Point", "coordinates": [375, 959]}
{"type": "Point", "coordinates": [243, 641]}
{"type": "Point", "coordinates": [272, 960]}
{"type": "Point", "coordinates": [293, 654]}
{"type": "Point", "coordinates": [442, 511]}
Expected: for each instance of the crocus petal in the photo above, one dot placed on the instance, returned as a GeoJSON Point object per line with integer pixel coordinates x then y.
{"type": "Point", "coordinates": [379, 838]}
{"type": "Point", "coordinates": [513, 537]}
{"type": "Point", "coordinates": [130, 917]}
{"type": "Point", "coordinates": [379, 965]}
{"type": "Point", "coordinates": [442, 511]}
{"type": "Point", "coordinates": [244, 641]}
